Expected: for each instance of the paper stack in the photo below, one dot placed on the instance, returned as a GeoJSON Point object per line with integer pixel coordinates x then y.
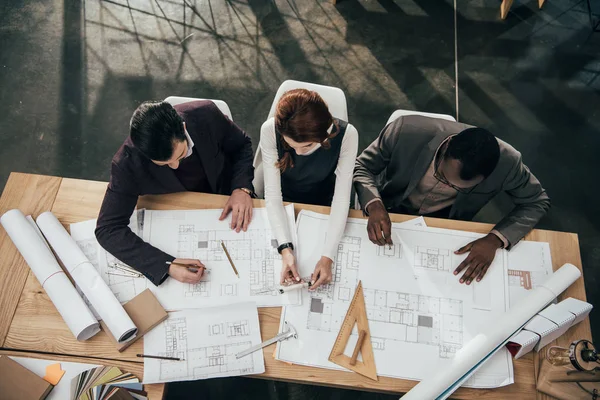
{"type": "Point", "coordinates": [104, 383]}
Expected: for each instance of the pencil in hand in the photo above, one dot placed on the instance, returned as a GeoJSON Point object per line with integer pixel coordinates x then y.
{"type": "Point", "coordinates": [190, 267]}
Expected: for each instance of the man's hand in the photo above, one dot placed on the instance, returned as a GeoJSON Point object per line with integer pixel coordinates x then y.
{"type": "Point", "coordinates": [379, 226]}
{"type": "Point", "coordinates": [482, 253]}
{"type": "Point", "coordinates": [185, 275]}
{"type": "Point", "coordinates": [240, 205]}
{"type": "Point", "coordinates": [322, 274]}
{"type": "Point", "coordinates": [289, 271]}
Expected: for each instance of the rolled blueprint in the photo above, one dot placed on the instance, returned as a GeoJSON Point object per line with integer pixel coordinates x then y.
{"type": "Point", "coordinates": [442, 383]}
{"type": "Point", "coordinates": [30, 243]}
{"type": "Point", "coordinates": [87, 278]}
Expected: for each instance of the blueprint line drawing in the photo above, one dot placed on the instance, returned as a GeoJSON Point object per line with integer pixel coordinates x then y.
{"type": "Point", "coordinates": [415, 305]}
{"type": "Point", "coordinates": [520, 279]}
{"type": "Point", "coordinates": [125, 285]}
{"type": "Point", "coordinates": [206, 341]}
{"type": "Point", "coordinates": [238, 328]}
{"type": "Point", "coordinates": [198, 234]}
{"type": "Point", "coordinates": [433, 258]}
{"type": "Point", "coordinates": [201, 289]}
{"type": "Point", "coordinates": [229, 289]}
{"type": "Point", "coordinates": [392, 251]}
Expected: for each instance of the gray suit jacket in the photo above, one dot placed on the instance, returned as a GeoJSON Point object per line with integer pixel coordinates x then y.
{"type": "Point", "coordinates": [392, 166]}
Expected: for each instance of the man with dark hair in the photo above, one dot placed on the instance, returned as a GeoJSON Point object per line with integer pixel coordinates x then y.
{"type": "Point", "coordinates": [438, 168]}
{"type": "Point", "coordinates": [188, 147]}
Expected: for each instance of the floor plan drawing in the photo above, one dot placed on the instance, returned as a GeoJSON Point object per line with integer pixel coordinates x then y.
{"type": "Point", "coordinates": [432, 258]}
{"type": "Point", "coordinates": [415, 305]}
{"type": "Point", "coordinates": [201, 289]}
{"type": "Point", "coordinates": [206, 342]}
{"type": "Point", "coordinates": [520, 279]}
{"type": "Point", "coordinates": [124, 281]}
{"type": "Point", "coordinates": [529, 265]}
{"type": "Point", "coordinates": [238, 328]}
{"type": "Point", "coordinates": [198, 234]}
{"type": "Point", "coordinates": [392, 251]}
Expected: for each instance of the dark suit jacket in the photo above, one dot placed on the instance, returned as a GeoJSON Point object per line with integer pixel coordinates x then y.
{"type": "Point", "coordinates": [392, 166]}
{"type": "Point", "coordinates": [226, 155]}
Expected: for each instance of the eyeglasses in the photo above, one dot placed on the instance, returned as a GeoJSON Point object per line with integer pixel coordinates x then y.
{"type": "Point", "coordinates": [437, 174]}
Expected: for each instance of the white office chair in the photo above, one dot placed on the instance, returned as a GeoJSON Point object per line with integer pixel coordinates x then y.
{"type": "Point", "coordinates": [336, 102]}
{"type": "Point", "coordinates": [174, 100]}
{"type": "Point", "coordinates": [399, 113]}
{"type": "Point", "coordinates": [334, 97]}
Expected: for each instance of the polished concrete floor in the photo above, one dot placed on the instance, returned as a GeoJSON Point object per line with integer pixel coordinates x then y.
{"type": "Point", "coordinates": [71, 73]}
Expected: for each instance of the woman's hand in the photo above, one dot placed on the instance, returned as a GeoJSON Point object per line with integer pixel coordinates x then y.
{"type": "Point", "coordinates": [322, 274]}
{"type": "Point", "coordinates": [289, 271]}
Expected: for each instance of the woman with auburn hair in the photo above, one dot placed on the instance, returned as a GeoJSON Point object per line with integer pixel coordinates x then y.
{"type": "Point", "coordinates": [308, 157]}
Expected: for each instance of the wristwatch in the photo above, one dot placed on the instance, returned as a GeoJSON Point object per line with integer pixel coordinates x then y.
{"type": "Point", "coordinates": [247, 191]}
{"type": "Point", "coordinates": [285, 246]}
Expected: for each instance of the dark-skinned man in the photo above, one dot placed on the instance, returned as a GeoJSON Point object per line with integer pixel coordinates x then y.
{"type": "Point", "coordinates": [433, 167]}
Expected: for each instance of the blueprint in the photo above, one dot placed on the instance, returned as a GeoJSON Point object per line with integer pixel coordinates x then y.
{"type": "Point", "coordinates": [416, 307]}
{"type": "Point", "coordinates": [197, 234]}
{"type": "Point", "coordinates": [206, 341]}
{"type": "Point", "coordinates": [123, 281]}
{"type": "Point", "coordinates": [529, 264]}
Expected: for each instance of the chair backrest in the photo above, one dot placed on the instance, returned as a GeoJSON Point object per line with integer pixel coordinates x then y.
{"type": "Point", "coordinates": [399, 113]}
{"type": "Point", "coordinates": [334, 97]}
{"type": "Point", "coordinates": [174, 100]}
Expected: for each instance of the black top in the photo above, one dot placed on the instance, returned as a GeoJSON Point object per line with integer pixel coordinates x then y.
{"type": "Point", "coordinates": [191, 174]}
{"type": "Point", "coordinates": [312, 178]}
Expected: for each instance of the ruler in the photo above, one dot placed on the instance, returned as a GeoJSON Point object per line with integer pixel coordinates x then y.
{"type": "Point", "coordinates": [356, 315]}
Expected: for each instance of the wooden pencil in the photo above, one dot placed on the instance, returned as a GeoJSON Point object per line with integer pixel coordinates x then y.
{"type": "Point", "coordinates": [229, 258]}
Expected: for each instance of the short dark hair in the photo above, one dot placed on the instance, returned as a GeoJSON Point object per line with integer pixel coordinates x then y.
{"type": "Point", "coordinates": [154, 127]}
{"type": "Point", "coordinates": [477, 150]}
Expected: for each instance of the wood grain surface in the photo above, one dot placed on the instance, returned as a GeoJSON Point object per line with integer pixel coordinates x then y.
{"type": "Point", "coordinates": [32, 194]}
{"type": "Point", "coordinates": [37, 327]}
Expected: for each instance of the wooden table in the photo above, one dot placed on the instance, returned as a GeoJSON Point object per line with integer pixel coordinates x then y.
{"type": "Point", "coordinates": [29, 322]}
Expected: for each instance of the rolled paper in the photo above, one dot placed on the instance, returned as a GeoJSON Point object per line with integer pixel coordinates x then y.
{"type": "Point", "coordinates": [443, 382]}
{"type": "Point", "coordinates": [30, 243]}
{"type": "Point", "coordinates": [87, 278]}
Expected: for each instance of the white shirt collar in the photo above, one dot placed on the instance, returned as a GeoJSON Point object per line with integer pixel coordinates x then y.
{"type": "Point", "coordinates": [318, 146]}
{"type": "Point", "coordinates": [189, 142]}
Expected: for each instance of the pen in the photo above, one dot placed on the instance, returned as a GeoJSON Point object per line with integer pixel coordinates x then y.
{"type": "Point", "coordinates": [298, 286]}
{"type": "Point", "coordinates": [229, 258]}
{"type": "Point", "coordinates": [191, 268]}
{"type": "Point", "coordinates": [158, 357]}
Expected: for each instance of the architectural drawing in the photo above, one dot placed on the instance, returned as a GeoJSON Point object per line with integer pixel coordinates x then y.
{"type": "Point", "coordinates": [392, 251]}
{"type": "Point", "coordinates": [526, 279]}
{"type": "Point", "coordinates": [415, 306]}
{"type": "Point", "coordinates": [520, 279]}
{"type": "Point", "coordinates": [238, 328]}
{"type": "Point", "coordinates": [206, 342]}
{"type": "Point", "coordinates": [432, 258]}
{"type": "Point", "coordinates": [198, 234]}
{"type": "Point", "coordinates": [229, 289]}
{"type": "Point", "coordinates": [200, 289]}
{"type": "Point", "coordinates": [204, 362]}
{"type": "Point", "coordinates": [529, 265]}
{"type": "Point", "coordinates": [124, 282]}
{"type": "Point", "coordinates": [216, 329]}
